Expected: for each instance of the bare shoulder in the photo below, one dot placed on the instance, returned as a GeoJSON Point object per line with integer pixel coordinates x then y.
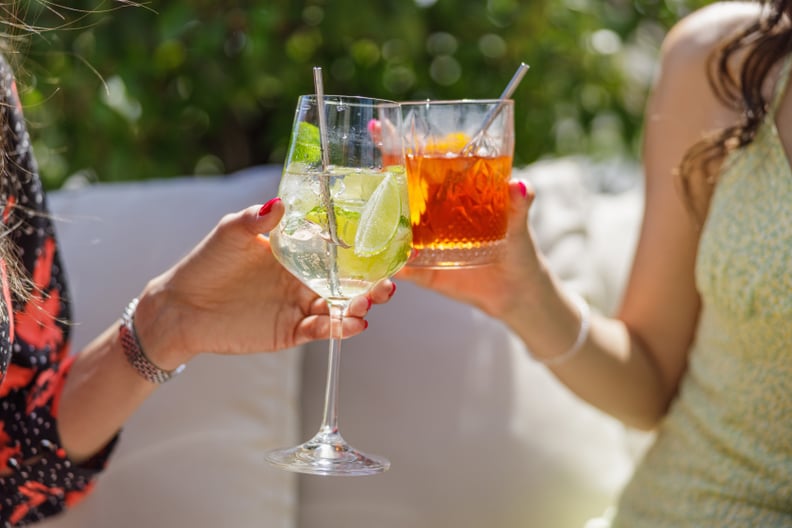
{"type": "Point", "coordinates": [691, 41]}
{"type": "Point", "coordinates": [683, 85]}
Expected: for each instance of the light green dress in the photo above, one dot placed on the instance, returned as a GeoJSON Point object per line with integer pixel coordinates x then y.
{"type": "Point", "coordinates": [723, 456]}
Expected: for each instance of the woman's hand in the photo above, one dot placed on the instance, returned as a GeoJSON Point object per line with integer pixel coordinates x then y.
{"type": "Point", "coordinates": [231, 296]}
{"type": "Point", "coordinates": [492, 288]}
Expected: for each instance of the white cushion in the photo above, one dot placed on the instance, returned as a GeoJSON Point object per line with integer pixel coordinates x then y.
{"type": "Point", "coordinates": [478, 434]}
{"type": "Point", "coordinates": [588, 234]}
{"type": "Point", "coordinates": [192, 456]}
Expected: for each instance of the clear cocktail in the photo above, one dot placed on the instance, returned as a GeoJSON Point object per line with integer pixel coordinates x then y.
{"type": "Point", "coordinates": [345, 228]}
{"type": "Point", "coordinates": [371, 215]}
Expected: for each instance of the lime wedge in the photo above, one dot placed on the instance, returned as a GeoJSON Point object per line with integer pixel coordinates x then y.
{"type": "Point", "coordinates": [306, 147]}
{"type": "Point", "coordinates": [379, 219]}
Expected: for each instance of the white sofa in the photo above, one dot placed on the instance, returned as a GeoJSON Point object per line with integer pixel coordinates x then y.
{"type": "Point", "coordinates": [478, 434]}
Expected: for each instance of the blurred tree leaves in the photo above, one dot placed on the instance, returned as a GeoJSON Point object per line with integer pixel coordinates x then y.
{"type": "Point", "coordinates": [199, 86]}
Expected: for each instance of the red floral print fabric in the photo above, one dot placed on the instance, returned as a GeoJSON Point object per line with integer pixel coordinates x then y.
{"type": "Point", "coordinates": [37, 478]}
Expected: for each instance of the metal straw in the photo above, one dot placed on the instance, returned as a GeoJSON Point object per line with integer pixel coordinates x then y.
{"type": "Point", "coordinates": [493, 113]}
{"type": "Point", "coordinates": [327, 198]}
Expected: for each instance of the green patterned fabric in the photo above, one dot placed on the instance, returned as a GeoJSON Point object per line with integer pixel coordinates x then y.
{"type": "Point", "coordinates": [723, 456]}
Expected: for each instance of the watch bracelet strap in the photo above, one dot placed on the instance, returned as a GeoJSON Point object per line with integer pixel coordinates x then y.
{"type": "Point", "coordinates": [134, 352]}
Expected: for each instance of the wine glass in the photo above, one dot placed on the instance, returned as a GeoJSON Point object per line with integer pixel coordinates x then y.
{"type": "Point", "coordinates": [346, 226]}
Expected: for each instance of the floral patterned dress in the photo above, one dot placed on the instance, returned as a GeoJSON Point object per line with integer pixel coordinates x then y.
{"type": "Point", "coordinates": [37, 479]}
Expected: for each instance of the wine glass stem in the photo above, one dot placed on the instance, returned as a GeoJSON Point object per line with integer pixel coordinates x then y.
{"type": "Point", "coordinates": [330, 415]}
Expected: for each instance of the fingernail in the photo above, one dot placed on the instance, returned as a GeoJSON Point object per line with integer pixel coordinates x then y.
{"type": "Point", "coordinates": [267, 207]}
{"type": "Point", "coordinates": [523, 188]}
{"type": "Point", "coordinates": [369, 304]}
{"type": "Point", "coordinates": [365, 324]}
{"type": "Point", "coordinates": [393, 290]}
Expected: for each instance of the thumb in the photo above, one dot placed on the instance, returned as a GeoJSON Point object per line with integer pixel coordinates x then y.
{"type": "Point", "coordinates": [521, 195]}
{"type": "Point", "coordinates": [269, 215]}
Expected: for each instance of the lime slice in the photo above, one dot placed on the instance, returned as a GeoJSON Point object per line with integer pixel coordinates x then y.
{"type": "Point", "coordinates": [317, 216]}
{"type": "Point", "coordinates": [346, 223]}
{"type": "Point", "coordinates": [379, 219]}
{"type": "Point", "coordinates": [346, 220]}
{"type": "Point", "coordinates": [306, 147]}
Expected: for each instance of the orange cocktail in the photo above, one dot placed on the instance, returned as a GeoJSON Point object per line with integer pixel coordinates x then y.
{"type": "Point", "coordinates": [458, 181]}
{"type": "Point", "coordinates": [458, 202]}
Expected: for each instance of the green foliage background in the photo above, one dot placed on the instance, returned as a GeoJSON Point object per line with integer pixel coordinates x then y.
{"type": "Point", "coordinates": [206, 87]}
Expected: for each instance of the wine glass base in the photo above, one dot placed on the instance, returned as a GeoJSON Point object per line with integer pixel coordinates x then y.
{"type": "Point", "coordinates": [327, 455]}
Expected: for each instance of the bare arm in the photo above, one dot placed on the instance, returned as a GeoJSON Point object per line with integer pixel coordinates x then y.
{"type": "Point", "coordinates": [228, 296]}
{"type": "Point", "coordinates": [631, 365]}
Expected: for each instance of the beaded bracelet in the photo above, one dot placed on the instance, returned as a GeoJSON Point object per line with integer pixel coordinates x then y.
{"type": "Point", "coordinates": [585, 324]}
{"type": "Point", "coordinates": [134, 352]}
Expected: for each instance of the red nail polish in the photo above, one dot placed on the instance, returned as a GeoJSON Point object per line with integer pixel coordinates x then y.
{"type": "Point", "coordinates": [365, 324]}
{"type": "Point", "coordinates": [523, 188]}
{"type": "Point", "coordinates": [393, 290]}
{"type": "Point", "coordinates": [267, 207]}
{"type": "Point", "coordinates": [369, 304]}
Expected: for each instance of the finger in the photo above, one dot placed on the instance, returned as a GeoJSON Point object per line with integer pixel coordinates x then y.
{"type": "Point", "coordinates": [382, 291]}
{"type": "Point", "coordinates": [358, 307]}
{"type": "Point", "coordinates": [267, 216]}
{"type": "Point", "coordinates": [379, 294]}
{"type": "Point", "coordinates": [319, 307]}
{"type": "Point", "coordinates": [375, 129]}
{"type": "Point", "coordinates": [521, 196]}
{"type": "Point", "coordinates": [317, 327]}
{"type": "Point", "coordinates": [311, 328]}
{"type": "Point", "coordinates": [354, 326]}
{"type": "Point", "coordinates": [419, 276]}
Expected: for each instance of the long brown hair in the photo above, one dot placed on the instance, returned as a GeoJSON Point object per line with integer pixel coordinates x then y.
{"type": "Point", "coordinates": [765, 42]}
{"type": "Point", "coordinates": [17, 25]}
{"type": "Point", "coordinates": [13, 34]}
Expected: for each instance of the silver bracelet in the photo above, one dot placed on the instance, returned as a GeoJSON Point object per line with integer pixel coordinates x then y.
{"type": "Point", "coordinates": [134, 352]}
{"type": "Point", "coordinates": [585, 324]}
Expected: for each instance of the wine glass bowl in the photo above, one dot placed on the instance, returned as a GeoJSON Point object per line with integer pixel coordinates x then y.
{"type": "Point", "coordinates": [346, 227]}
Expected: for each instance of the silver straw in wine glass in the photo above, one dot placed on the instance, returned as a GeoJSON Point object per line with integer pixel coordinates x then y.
{"type": "Point", "coordinates": [327, 199]}
{"type": "Point", "coordinates": [472, 145]}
